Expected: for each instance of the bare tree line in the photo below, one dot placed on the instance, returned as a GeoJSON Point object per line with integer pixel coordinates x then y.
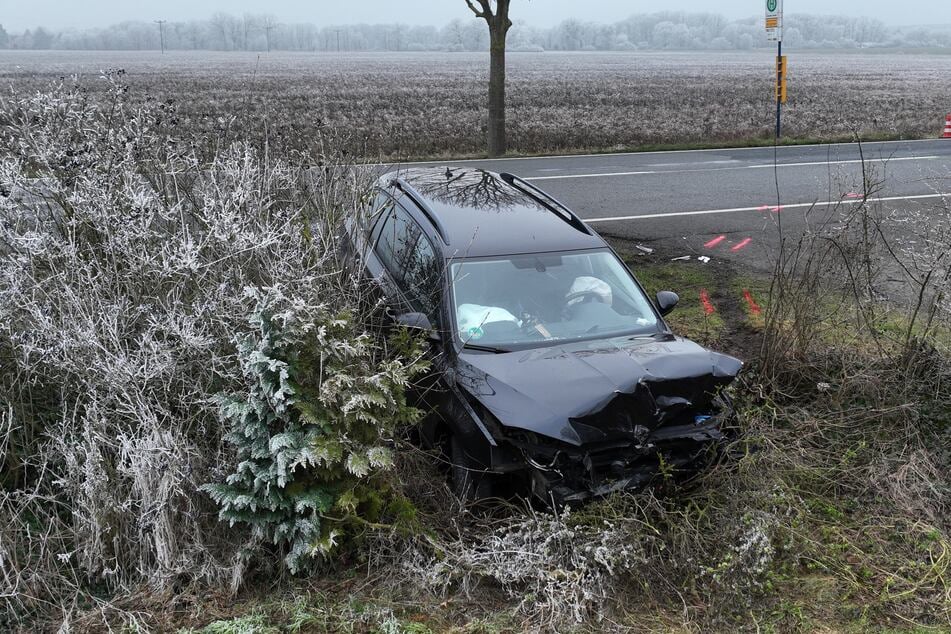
{"type": "Point", "coordinates": [665, 30]}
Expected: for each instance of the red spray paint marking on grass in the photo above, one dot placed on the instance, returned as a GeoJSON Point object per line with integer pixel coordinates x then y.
{"type": "Point", "coordinates": [742, 243]}
{"type": "Point", "coordinates": [853, 195]}
{"type": "Point", "coordinates": [705, 300]}
{"type": "Point", "coordinates": [754, 307]}
{"type": "Point", "coordinates": [714, 242]}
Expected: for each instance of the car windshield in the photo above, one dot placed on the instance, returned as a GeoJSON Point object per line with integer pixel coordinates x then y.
{"type": "Point", "coordinates": [518, 301]}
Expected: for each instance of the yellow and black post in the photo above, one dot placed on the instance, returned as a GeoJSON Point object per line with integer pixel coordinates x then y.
{"type": "Point", "coordinates": [780, 87]}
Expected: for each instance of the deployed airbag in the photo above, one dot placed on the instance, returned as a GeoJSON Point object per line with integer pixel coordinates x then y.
{"type": "Point", "coordinates": [472, 317]}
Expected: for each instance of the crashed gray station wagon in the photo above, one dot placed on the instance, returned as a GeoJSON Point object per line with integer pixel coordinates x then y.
{"type": "Point", "coordinates": [555, 374]}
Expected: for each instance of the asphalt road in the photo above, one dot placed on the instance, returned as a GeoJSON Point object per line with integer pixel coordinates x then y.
{"type": "Point", "coordinates": [680, 201]}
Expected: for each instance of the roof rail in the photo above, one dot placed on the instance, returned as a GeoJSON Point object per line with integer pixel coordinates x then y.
{"type": "Point", "coordinates": [424, 207]}
{"type": "Point", "coordinates": [546, 201]}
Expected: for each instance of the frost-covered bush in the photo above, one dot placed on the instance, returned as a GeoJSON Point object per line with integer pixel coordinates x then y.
{"type": "Point", "coordinates": [128, 248]}
{"type": "Point", "coordinates": [561, 570]}
{"type": "Point", "coordinates": [745, 564]}
{"type": "Point", "coordinates": [582, 567]}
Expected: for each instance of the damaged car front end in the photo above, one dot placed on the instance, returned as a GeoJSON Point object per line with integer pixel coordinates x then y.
{"type": "Point", "coordinates": [632, 408]}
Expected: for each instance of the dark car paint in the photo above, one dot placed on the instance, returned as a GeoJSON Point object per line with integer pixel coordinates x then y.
{"type": "Point", "coordinates": [549, 391]}
{"type": "Point", "coordinates": [361, 254]}
{"type": "Point", "coordinates": [482, 215]}
{"type": "Point", "coordinates": [623, 393]}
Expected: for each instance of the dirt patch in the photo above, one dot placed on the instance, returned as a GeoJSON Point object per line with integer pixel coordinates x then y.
{"type": "Point", "coordinates": [720, 305]}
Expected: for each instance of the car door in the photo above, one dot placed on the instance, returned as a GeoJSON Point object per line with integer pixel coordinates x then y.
{"type": "Point", "coordinates": [411, 278]}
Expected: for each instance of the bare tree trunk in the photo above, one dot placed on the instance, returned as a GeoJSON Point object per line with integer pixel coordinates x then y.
{"type": "Point", "coordinates": [499, 25]}
{"type": "Point", "coordinates": [497, 144]}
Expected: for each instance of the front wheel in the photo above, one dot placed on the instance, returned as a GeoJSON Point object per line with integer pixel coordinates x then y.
{"type": "Point", "coordinates": [470, 481]}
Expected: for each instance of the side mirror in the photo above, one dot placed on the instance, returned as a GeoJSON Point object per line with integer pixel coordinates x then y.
{"type": "Point", "coordinates": [417, 321]}
{"type": "Point", "coordinates": [666, 301]}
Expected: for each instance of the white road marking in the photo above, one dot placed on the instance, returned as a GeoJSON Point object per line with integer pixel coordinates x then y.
{"type": "Point", "coordinates": [607, 174]}
{"type": "Point", "coordinates": [681, 164]}
{"type": "Point", "coordinates": [868, 144]}
{"type": "Point", "coordinates": [784, 207]}
{"type": "Point", "coordinates": [736, 167]}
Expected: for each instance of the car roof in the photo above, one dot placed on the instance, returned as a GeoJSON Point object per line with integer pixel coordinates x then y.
{"type": "Point", "coordinates": [480, 213]}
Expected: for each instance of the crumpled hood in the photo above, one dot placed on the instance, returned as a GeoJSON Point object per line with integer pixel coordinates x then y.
{"type": "Point", "coordinates": [590, 391]}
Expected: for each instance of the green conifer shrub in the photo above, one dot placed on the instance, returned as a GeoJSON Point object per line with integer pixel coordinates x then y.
{"type": "Point", "coordinates": [311, 428]}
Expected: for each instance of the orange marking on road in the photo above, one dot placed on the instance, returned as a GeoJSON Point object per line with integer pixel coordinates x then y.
{"type": "Point", "coordinates": [742, 243]}
{"type": "Point", "coordinates": [714, 242]}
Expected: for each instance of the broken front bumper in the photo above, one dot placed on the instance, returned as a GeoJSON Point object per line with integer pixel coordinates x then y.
{"type": "Point", "coordinates": [563, 474]}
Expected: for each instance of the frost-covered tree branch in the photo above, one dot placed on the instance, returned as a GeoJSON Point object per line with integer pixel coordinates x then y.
{"type": "Point", "coordinates": [131, 260]}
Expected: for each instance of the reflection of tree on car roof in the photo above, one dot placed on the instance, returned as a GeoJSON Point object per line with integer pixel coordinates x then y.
{"type": "Point", "coordinates": [476, 189]}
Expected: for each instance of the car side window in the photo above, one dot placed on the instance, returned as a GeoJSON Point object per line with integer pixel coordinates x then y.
{"type": "Point", "coordinates": [396, 241]}
{"type": "Point", "coordinates": [421, 278]}
{"type": "Point", "coordinates": [411, 260]}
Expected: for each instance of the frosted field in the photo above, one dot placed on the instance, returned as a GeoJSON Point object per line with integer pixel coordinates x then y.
{"type": "Point", "coordinates": [425, 104]}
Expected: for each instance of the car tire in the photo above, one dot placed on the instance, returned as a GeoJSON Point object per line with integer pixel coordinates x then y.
{"type": "Point", "coordinates": [470, 482]}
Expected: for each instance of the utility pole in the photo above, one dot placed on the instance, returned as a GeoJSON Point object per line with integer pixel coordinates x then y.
{"type": "Point", "coordinates": [161, 30]}
{"type": "Point", "coordinates": [268, 27]}
{"type": "Point", "coordinates": [338, 39]}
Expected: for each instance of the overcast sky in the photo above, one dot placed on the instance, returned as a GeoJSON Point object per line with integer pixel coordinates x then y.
{"type": "Point", "coordinates": [16, 15]}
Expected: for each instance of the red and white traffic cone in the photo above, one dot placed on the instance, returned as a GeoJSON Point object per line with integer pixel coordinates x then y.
{"type": "Point", "coordinates": [947, 127]}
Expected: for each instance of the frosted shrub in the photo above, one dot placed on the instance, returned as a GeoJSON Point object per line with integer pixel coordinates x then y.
{"type": "Point", "coordinates": [744, 565]}
{"type": "Point", "coordinates": [128, 249]}
{"type": "Point", "coordinates": [561, 570]}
